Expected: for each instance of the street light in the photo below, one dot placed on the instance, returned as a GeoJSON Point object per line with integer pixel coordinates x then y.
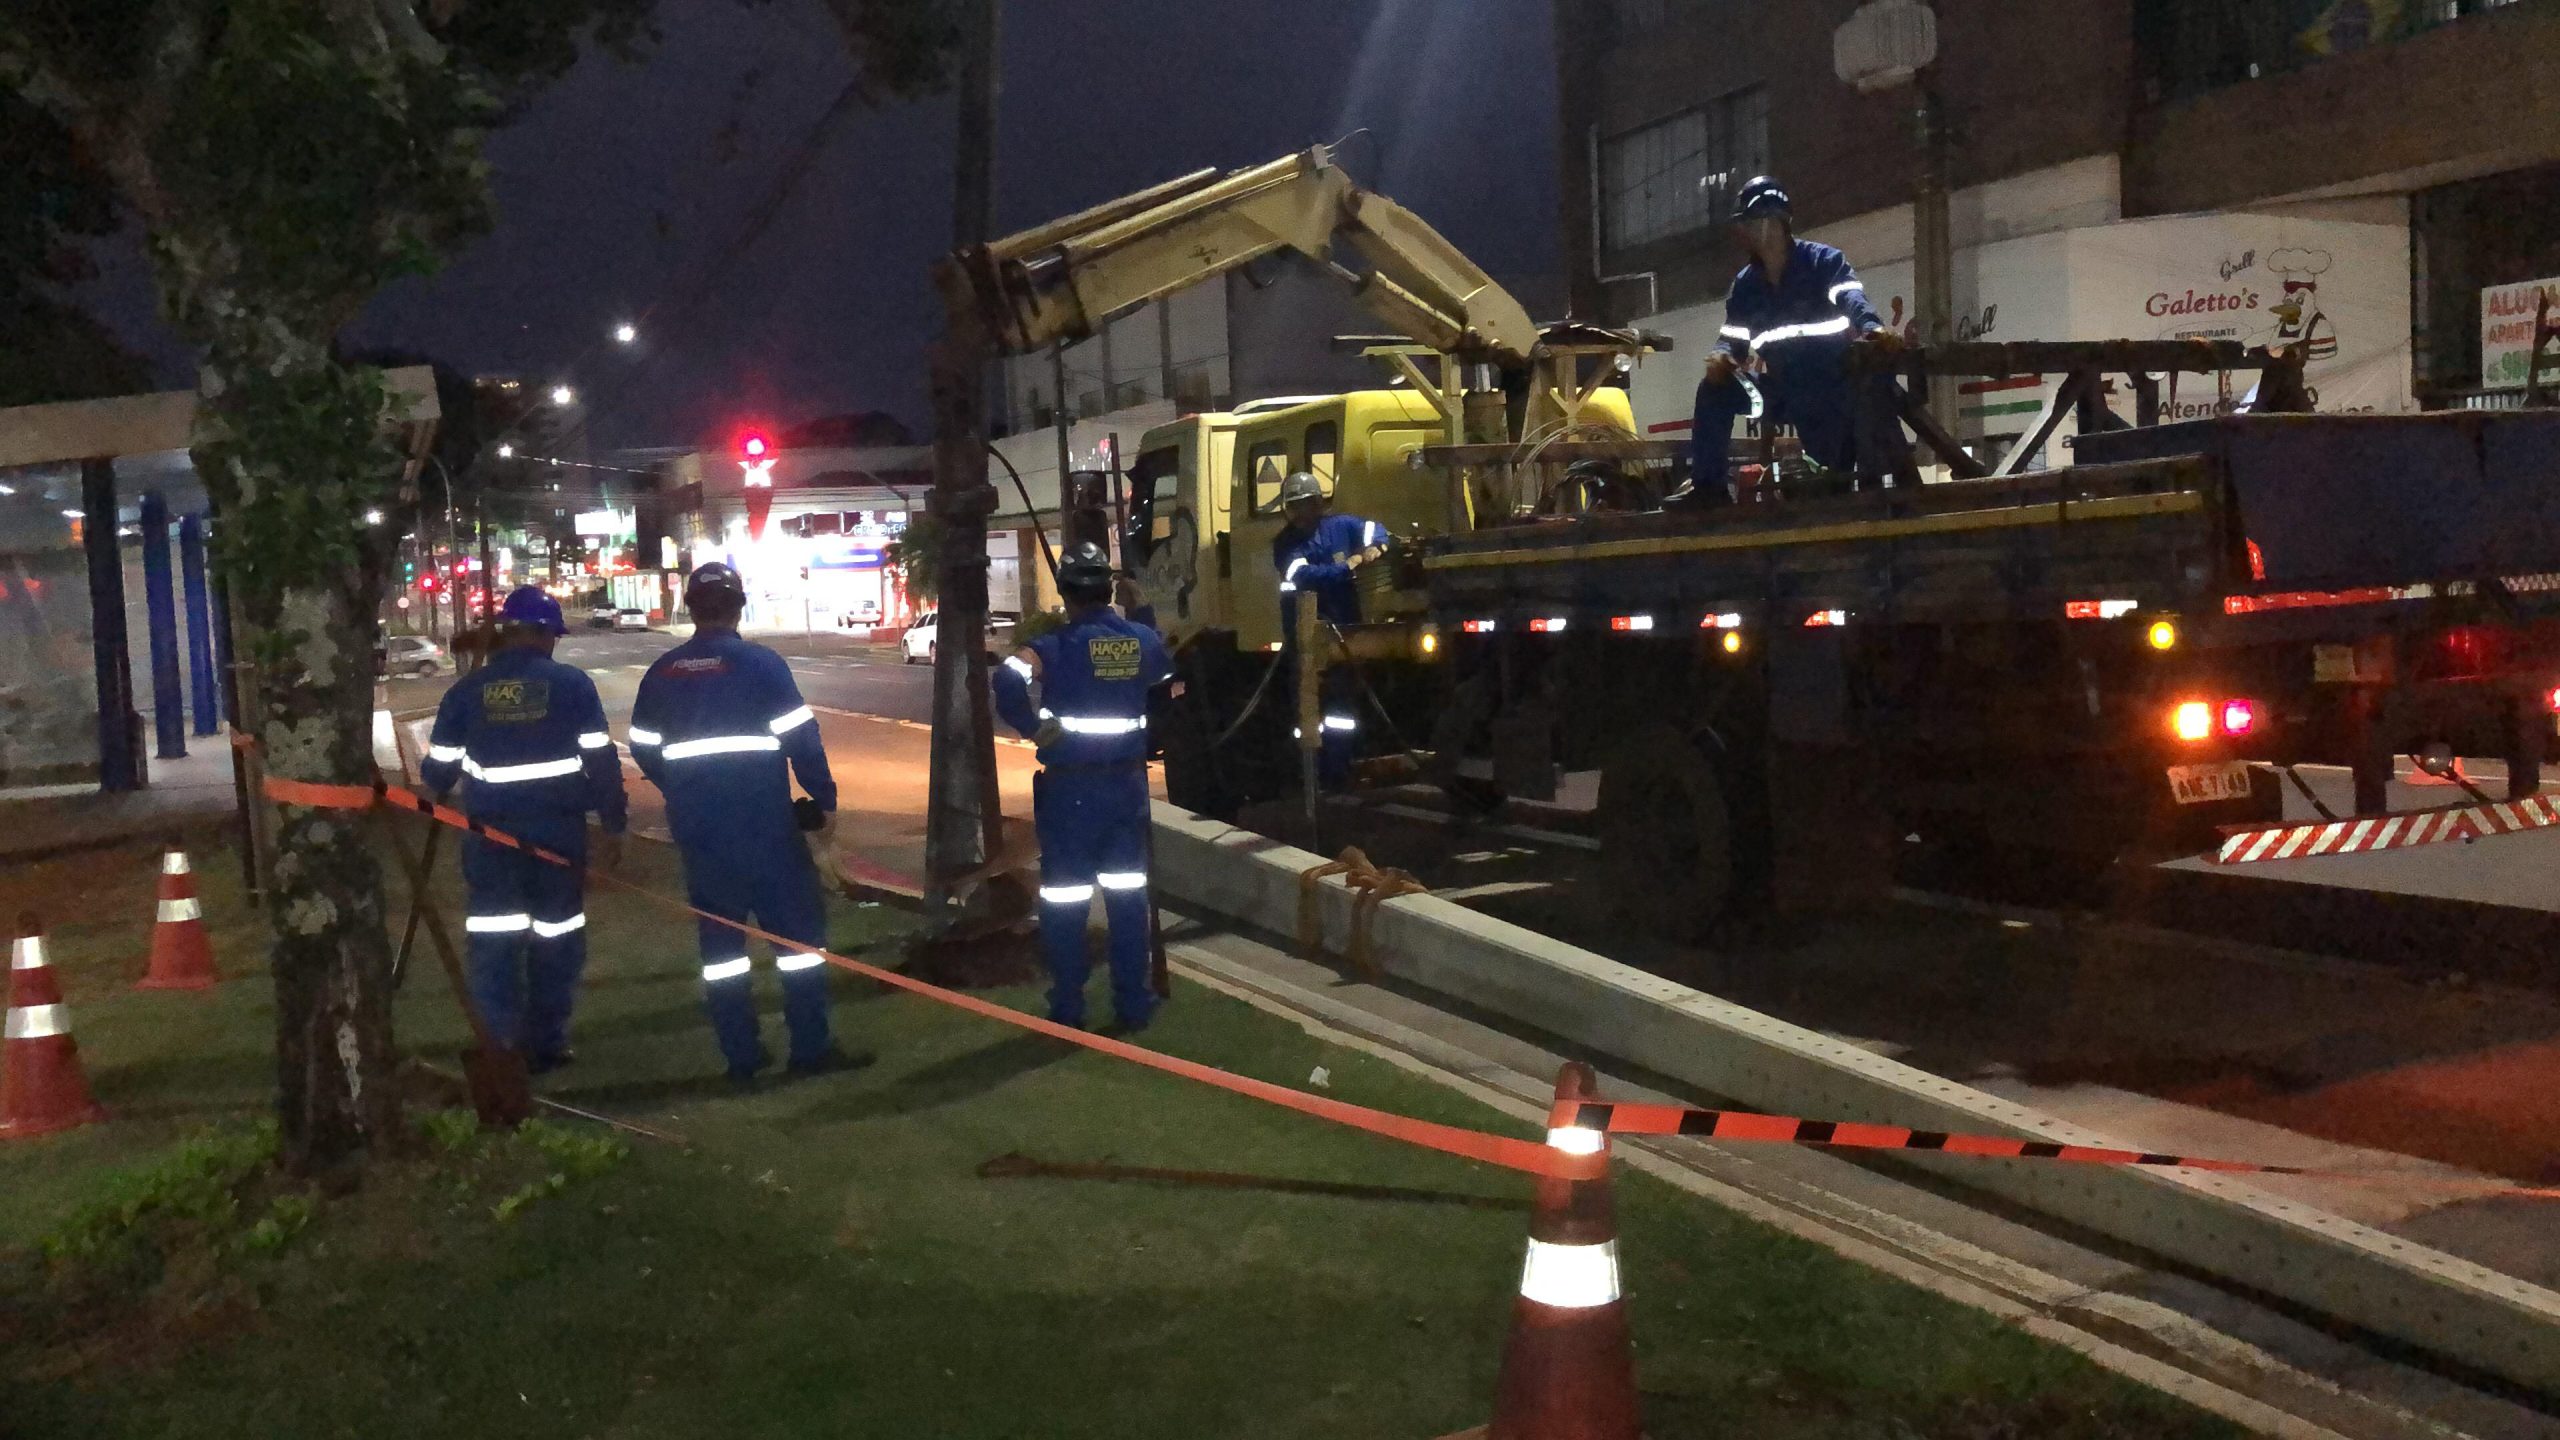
{"type": "Point", "coordinates": [373, 517]}
{"type": "Point", "coordinates": [506, 452]}
{"type": "Point", "coordinates": [563, 395]}
{"type": "Point", "coordinates": [625, 333]}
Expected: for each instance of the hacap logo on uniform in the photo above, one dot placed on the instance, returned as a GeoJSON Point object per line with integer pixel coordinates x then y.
{"type": "Point", "coordinates": [1113, 657]}
{"type": "Point", "coordinates": [514, 701]}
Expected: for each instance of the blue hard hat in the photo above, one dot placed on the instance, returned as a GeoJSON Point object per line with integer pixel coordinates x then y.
{"type": "Point", "coordinates": [527, 605]}
{"type": "Point", "coordinates": [1761, 195]}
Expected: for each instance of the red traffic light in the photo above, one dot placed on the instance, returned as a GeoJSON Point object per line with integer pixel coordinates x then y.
{"type": "Point", "coordinates": [426, 582]}
{"type": "Point", "coordinates": [754, 446]}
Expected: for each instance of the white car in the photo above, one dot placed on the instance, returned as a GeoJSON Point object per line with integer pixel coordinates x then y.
{"type": "Point", "coordinates": [411, 655]}
{"type": "Point", "coordinates": [632, 620]}
{"type": "Point", "coordinates": [917, 644]}
{"type": "Point", "coordinates": [603, 617]}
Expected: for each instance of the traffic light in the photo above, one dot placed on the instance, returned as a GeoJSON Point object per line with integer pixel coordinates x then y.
{"type": "Point", "coordinates": [755, 462]}
{"type": "Point", "coordinates": [427, 583]}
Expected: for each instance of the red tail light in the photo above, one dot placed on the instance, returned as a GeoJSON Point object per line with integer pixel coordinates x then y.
{"type": "Point", "coordinates": [2239, 717]}
{"type": "Point", "coordinates": [2552, 699]}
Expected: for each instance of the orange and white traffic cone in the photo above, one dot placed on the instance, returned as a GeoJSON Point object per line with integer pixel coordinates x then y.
{"type": "Point", "coordinates": [1568, 1368]}
{"type": "Point", "coordinates": [41, 1087]}
{"type": "Point", "coordinates": [181, 955]}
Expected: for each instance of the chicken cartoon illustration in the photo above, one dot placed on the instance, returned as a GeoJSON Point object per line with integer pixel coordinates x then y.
{"type": "Point", "coordinates": [2299, 320]}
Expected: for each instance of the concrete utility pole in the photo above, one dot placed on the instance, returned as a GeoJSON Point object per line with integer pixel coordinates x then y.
{"type": "Point", "coordinates": [1933, 259]}
{"type": "Point", "coordinates": [963, 818]}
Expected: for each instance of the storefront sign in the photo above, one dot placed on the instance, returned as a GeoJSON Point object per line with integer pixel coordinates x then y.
{"type": "Point", "coordinates": [2506, 331]}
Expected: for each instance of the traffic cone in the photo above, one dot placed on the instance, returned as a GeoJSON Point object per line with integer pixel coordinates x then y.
{"type": "Point", "coordinates": [41, 1087]}
{"type": "Point", "coordinates": [1568, 1367]}
{"type": "Point", "coordinates": [181, 955]}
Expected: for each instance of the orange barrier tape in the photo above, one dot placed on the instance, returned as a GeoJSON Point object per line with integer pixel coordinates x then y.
{"type": "Point", "coordinates": [1744, 1125]}
{"type": "Point", "coordinates": [1531, 1156]}
{"type": "Point", "coordinates": [1372, 887]}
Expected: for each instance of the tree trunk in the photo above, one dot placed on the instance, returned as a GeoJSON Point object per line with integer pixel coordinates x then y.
{"type": "Point", "coordinates": [332, 958]}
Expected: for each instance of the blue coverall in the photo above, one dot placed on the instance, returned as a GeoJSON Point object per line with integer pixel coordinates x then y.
{"type": "Point", "coordinates": [1089, 800]}
{"type": "Point", "coordinates": [1801, 329]}
{"type": "Point", "coordinates": [1317, 562]}
{"type": "Point", "coordinates": [526, 736]}
{"type": "Point", "coordinates": [719, 727]}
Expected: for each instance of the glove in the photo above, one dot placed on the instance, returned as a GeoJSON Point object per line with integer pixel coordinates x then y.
{"type": "Point", "coordinates": [1884, 341]}
{"type": "Point", "coordinates": [1048, 734]}
{"type": "Point", "coordinates": [1721, 367]}
{"type": "Point", "coordinates": [805, 812]}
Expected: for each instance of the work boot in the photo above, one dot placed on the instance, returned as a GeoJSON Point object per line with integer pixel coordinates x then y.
{"type": "Point", "coordinates": [554, 1060]}
{"type": "Point", "coordinates": [746, 1079]}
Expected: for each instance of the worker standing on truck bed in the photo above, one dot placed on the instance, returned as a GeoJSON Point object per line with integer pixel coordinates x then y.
{"type": "Point", "coordinates": [1789, 322]}
{"type": "Point", "coordinates": [1317, 554]}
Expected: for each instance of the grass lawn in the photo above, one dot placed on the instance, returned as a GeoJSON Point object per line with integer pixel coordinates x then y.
{"type": "Point", "coordinates": [822, 1258]}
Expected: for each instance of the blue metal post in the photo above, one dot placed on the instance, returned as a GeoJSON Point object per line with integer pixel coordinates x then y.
{"type": "Point", "coordinates": [119, 747]}
{"type": "Point", "coordinates": [202, 683]}
{"type": "Point", "coordinates": [160, 603]}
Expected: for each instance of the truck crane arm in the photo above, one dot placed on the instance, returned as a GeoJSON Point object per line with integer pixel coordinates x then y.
{"type": "Point", "coordinates": [1058, 283]}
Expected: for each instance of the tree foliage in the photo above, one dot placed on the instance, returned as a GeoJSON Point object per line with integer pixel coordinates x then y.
{"type": "Point", "coordinates": [50, 207]}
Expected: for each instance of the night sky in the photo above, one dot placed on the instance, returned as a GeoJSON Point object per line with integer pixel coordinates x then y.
{"type": "Point", "coordinates": [623, 185]}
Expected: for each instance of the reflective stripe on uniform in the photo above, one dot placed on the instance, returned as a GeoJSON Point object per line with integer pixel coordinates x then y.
{"type": "Point", "coordinates": [1738, 332]}
{"type": "Point", "coordinates": [1836, 325]}
{"type": "Point", "coordinates": [510, 774]}
{"type": "Point", "coordinates": [1570, 1277]}
{"type": "Point", "coordinates": [449, 754]}
{"type": "Point", "coordinates": [1100, 724]}
{"type": "Point", "coordinates": [791, 720]}
{"type": "Point", "coordinates": [1021, 667]}
{"type": "Point", "coordinates": [644, 737]}
{"type": "Point", "coordinates": [722, 745]}
{"type": "Point", "coordinates": [35, 1022]}
{"type": "Point", "coordinates": [595, 740]}
{"type": "Point", "coordinates": [1368, 533]}
{"type": "Point", "coordinates": [554, 929]}
{"type": "Point", "coordinates": [719, 970]}
{"type": "Point", "coordinates": [1065, 894]}
{"type": "Point", "coordinates": [1122, 879]}
{"type": "Point", "coordinates": [496, 924]}
{"type": "Point", "coordinates": [172, 911]}
{"type": "Point", "coordinates": [789, 963]}
{"type": "Point", "coordinates": [1844, 287]}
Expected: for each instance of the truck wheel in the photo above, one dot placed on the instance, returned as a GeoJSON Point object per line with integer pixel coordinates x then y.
{"type": "Point", "coordinates": [1191, 776]}
{"type": "Point", "coordinates": [1666, 840]}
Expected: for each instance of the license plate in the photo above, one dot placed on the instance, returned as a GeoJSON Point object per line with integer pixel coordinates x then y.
{"type": "Point", "coordinates": [2201, 784]}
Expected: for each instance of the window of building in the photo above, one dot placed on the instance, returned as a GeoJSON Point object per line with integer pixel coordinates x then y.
{"type": "Point", "coordinates": [1671, 177]}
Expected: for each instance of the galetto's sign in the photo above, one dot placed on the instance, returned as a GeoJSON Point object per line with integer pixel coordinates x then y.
{"type": "Point", "coordinates": [2506, 330]}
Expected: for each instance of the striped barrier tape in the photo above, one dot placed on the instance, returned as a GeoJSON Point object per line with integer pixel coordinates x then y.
{"type": "Point", "coordinates": [1557, 1159]}
{"type": "Point", "coordinates": [2388, 832]}
{"type": "Point", "coordinates": [1750, 1126]}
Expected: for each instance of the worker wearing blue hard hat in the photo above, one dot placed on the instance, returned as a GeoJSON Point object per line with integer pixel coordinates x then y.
{"type": "Point", "coordinates": [1790, 319]}
{"type": "Point", "coordinates": [720, 728]}
{"type": "Point", "coordinates": [525, 737]}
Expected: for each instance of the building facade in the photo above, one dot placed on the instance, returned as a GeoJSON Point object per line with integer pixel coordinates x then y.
{"type": "Point", "coordinates": [2368, 178]}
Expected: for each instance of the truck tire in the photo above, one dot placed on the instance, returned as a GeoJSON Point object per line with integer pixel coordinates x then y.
{"type": "Point", "coordinates": [1666, 836]}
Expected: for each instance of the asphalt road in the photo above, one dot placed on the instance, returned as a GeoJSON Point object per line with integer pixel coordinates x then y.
{"type": "Point", "coordinates": [834, 672]}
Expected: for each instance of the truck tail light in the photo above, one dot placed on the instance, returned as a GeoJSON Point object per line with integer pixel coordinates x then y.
{"type": "Point", "coordinates": [2239, 717]}
{"type": "Point", "coordinates": [2553, 699]}
{"type": "Point", "coordinates": [1624, 624]}
{"type": "Point", "coordinates": [1480, 627]}
{"type": "Point", "coordinates": [1547, 626]}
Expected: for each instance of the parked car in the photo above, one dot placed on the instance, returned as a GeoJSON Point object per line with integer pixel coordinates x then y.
{"type": "Point", "coordinates": [632, 620]}
{"type": "Point", "coordinates": [603, 617]}
{"type": "Point", "coordinates": [917, 644]}
{"type": "Point", "coordinates": [408, 655]}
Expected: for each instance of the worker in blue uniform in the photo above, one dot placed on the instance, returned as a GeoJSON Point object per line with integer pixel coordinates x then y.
{"type": "Point", "coordinates": [1089, 800]}
{"type": "Point", "coordinates": [1789, 322]}
{"type": "Point", "coordinates": [525, 737]}
{"type": "Point", "coordinates": [1317, 554]}
{"type": "Point", "coordinates": [720, 728]}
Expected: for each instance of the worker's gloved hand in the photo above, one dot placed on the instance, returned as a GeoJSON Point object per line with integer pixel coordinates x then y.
{"type": "Point", "coordinates": [609, 851]}
{"type": "Point", "coordinates": [1722, 367]}
{"type": "Point", "coordinates": [1048, 734]}
{"type": "Point", "coordinates": [806, 814]}
{"type": "Point", "coordinates": [1883, 341]}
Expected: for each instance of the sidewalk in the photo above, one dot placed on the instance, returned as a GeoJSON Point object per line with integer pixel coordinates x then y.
{"type": "Point", "coordinates": [182, 794]}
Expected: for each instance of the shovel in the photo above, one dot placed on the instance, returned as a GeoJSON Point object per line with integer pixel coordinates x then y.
{"type": "Point", "coordinates": [501, 1088]}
